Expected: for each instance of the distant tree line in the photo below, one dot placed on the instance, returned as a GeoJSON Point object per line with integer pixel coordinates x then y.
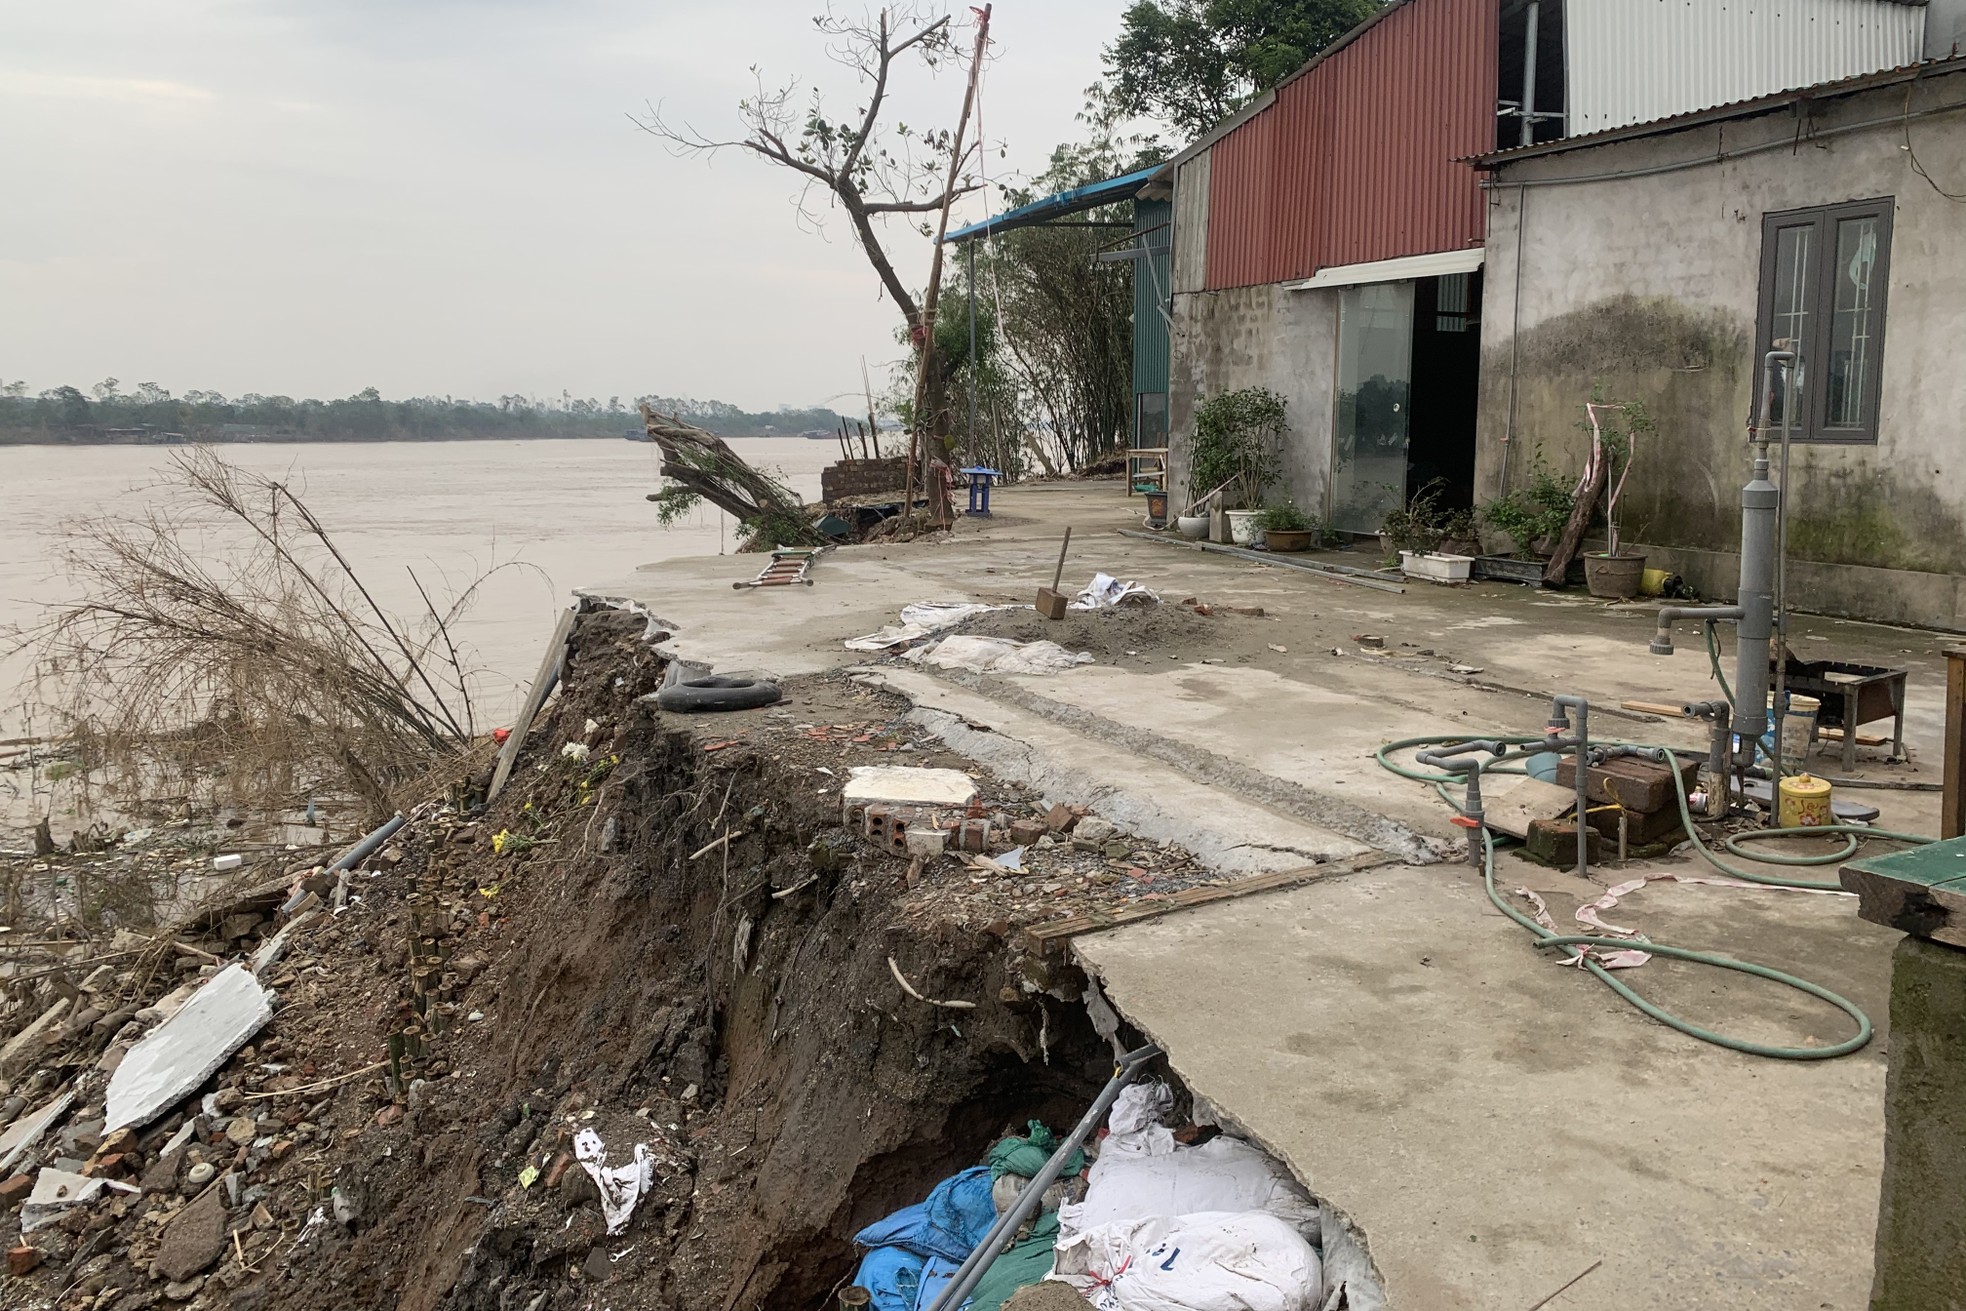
{"type": "Point", "coordinates": [106, 413]}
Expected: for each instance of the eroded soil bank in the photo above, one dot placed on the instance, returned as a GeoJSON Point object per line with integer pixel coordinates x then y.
{"type": "Point", "coordinates": [662, 932]}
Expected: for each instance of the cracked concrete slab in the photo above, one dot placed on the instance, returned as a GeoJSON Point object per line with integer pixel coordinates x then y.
{"type": "Point", "coordinates": [1493, 1123]}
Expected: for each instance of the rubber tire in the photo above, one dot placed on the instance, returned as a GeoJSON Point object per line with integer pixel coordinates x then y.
{"type": "Point", "coordinates": [697, 695]}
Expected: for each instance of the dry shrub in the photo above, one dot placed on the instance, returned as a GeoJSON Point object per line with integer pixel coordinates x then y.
{"type": "Point", "coordinates": [224, 651]}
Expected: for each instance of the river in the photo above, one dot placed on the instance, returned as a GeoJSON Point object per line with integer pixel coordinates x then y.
{"type": "Point", "coordinates": [562, 513]}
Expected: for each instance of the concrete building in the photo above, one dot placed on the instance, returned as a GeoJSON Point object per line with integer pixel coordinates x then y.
{"type": "Point", "coordinates": [1330, 240]}
{"type": "Point", "coordinates": [1661, 261]}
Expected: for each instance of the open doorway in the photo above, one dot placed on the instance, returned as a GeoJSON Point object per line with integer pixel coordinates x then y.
{"type": "Point", "coordinates": [1409, 360]}
{"type": "Point", "coordinates": [1440, 448]}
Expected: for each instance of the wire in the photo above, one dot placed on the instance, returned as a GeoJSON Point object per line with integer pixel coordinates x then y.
{"type": "Point", "coordinates": [1912, 155]}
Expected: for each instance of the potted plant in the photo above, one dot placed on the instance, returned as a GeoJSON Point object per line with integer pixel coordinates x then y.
{"type": "Point", "coordinates": [1613, 574]}
{"type": "Point", "coordinates": [1532, 516]}
{"type": "Point", "coordinates": [1287, 528]}
{"type": "Point", "coordinates": [1237, 447]}
{"type": "Point", "coordinates": [1419, 530]}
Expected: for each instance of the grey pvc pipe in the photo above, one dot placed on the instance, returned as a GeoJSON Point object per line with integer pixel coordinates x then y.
{"type": "Point", "coordinates": [362, 850]}
{"type": "Point", "coordinates": [964, 1282]}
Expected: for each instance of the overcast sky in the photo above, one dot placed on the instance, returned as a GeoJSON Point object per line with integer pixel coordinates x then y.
{"type": "Point", "coordinates": [310, 197]}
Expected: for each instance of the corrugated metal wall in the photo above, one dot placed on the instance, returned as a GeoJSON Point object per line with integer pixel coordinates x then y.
{"type": "Point", "coordinates": [1703, 53]}
{"type": "Point", "coordinates": [1152, 291]}
{"type": "Point", "coordinates": [1356, 160]}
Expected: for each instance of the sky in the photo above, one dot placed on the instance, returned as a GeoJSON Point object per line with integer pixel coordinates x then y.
{"type": "Point", "coordinates": [435, 197]}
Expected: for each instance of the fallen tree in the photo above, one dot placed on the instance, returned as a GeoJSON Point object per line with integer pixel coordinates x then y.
{"type": "Point", "coordinates": [701, 467]}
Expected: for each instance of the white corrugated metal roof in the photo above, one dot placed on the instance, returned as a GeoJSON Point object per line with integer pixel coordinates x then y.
{"type": "Point", "coordinates": [1437, 265]}
{"type": "Point", "coordinates": [1702, 53]}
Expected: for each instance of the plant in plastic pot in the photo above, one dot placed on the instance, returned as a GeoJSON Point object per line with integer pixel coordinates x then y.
{"type": "Point", "coordinates": [1613, 574]}
{"type": "Point", "coordinates": [1287, 528]}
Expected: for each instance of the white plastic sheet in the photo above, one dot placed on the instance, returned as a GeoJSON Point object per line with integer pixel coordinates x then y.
{"type": "Point", "coordinates": [57, 1190]}
{"type": "Point", "coordinates": [621, 1186]}
{"type": "Point", "coordinates": [1214, 1261]}
{"type": "Point", "coordinates": [187, 1049]}
{"type": "Point", "coordinates": [1000, 655]}
{"type": "Point", "coordinates": [922, 619]}
{"type": "Point", "coordinates": [1106, 591]}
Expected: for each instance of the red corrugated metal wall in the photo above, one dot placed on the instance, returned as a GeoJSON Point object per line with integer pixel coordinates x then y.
{"type": "Point", "coordinates": [1355, 160]}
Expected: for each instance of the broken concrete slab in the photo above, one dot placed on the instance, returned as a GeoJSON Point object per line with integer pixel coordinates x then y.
{"type": "Point", "coordinates": [905, 785]}
{"type": "Point", "coordinates": [57, 1190]}
{"type": "Point", "coordinates": [23, 1133]}
{"type": "Point", "coordinates": [188, 1048]}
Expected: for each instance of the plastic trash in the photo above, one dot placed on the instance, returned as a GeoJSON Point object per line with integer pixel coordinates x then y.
{"type": "Point", "coordinates": [621, 1186]}
{"type": "Point", "coordinates": [1000, 655]}
{"type": "Point", "coordinates": [1106, 592]}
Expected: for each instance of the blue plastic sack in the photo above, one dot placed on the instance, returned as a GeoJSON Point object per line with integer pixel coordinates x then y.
{"type": "Point", "coordinates": [894, 1276]}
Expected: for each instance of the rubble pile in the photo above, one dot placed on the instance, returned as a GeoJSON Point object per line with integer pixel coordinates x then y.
{"type": "Point", "coordinates": [664, 1019]}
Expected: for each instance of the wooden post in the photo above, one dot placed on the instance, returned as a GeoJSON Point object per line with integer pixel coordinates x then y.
{"type": "Point", "coordinates": [1952, 808]}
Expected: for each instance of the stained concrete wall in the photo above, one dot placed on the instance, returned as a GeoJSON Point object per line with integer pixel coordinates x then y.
{"type": "Point", "coordinates": [1259, 337]}
{"type": "Point", "coordinates": [1649, 285]}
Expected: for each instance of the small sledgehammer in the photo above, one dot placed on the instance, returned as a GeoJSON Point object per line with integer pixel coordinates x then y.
{"type": "Point", "coordinates": [1051, 601]}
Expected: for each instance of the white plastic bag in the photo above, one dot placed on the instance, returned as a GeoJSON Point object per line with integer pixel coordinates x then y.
{"type": "Point", "coordinates": [1214, 1261]}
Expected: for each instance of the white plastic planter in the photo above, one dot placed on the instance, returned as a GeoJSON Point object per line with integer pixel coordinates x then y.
{"type": "Point", "coordinates": [1436, 567]}
{"type": "Point", "coordinates": [1242, 527]}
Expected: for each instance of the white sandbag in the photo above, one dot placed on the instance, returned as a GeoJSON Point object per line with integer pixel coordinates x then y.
{"type": "Point", "coordinates": [999, 655]}
{"type": "Point", "coordinates": [1143, 1172]}
{"type": "Point", "coordinates": [1210, 1262]}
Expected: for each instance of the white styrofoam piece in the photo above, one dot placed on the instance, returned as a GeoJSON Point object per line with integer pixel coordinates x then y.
{"type": "Point", "coordinates": [188, 1048]}
{"type": "Point", "coordinates": [905, 785]}
{"type": "Point", "coordinates": [23, 1133]}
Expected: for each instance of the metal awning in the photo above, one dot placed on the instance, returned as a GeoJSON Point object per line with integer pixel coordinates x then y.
{"type": "Point", "coordinates": [1403, 269]}
{"type": "Point", "coordinates": [1075, 201]}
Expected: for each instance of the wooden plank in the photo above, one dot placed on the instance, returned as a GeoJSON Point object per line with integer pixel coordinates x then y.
{"type": "Point", "coordinates": [1655, 708]}
{"type": "Point", "coordinates": [1510, 810]}
{"type": "Point", "coordinates": [1050, 937]}
{"type": "Point", "coordinates": [1863, 739]}
{"type": "Point", "coordinates": [1952, 761]}
{"type": "Point", "coordinates": [542, 684]}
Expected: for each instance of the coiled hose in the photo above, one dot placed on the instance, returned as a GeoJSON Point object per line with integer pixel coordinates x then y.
{"type": "Point", "coordinates": [1578, 945]}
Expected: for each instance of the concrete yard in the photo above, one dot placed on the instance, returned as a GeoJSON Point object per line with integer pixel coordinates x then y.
{"type": "Point", "coordinates": [1492, 1122]}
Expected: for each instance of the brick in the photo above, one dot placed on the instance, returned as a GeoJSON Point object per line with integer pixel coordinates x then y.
{"type": "Point", "coordinates": [14, 1189]}
{"type": "Point", "coordinates": [1641, 785]}
{"type": "Point", "coordinates": [1060, 818]}
{"type": "Point", "coordinates": [22, 1260]}
{"type": "Point", "coordinates": [1553, 842]}
{"type": "Point", "coordinates": [1023, 832]}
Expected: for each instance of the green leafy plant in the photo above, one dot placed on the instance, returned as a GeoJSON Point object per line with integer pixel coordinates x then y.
{"type": "Point", "coordinates": [1287, 518]}
{"type": "Point", "coordinates": [1238, 443]}
{"type": "Point", "coordinates": [1421, 524]}
{"type": "Point", "coordinates": [1538, 509]}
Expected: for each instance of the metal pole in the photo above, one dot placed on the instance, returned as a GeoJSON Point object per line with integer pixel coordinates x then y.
{"type": "Point", "coordinates": [970, 250]}
{"type": "Point", "coordinates": [1781, 575]}
{"type": "Point", "coordinates": [963, 1283]}
{"type": "Point", "coordinates": [1529, 73]}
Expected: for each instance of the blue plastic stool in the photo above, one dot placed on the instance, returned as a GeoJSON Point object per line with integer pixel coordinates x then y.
{"type": "Point", "coordinates": [979, 487]}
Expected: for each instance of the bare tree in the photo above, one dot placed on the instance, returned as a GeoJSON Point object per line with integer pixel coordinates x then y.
{"type": "Point", "coordinates": [869, 169]}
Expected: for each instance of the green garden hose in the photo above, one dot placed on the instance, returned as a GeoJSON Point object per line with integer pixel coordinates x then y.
{"type": "Point", "coordinates": [1578, 945]}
